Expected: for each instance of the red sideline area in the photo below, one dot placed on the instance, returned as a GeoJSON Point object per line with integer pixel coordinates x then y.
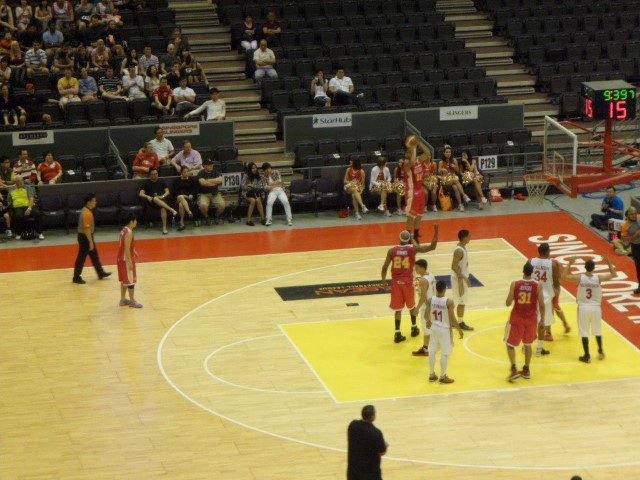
{"type": "Point", "coordinates": [567, 237]}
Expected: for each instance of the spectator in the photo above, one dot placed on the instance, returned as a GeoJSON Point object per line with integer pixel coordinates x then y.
{"type": "Point", "coordinates": [93, 32]}
{"type": "Point", "coordinates": [148, 59]}
{"type": "Point", "coordinates": [365, 447]}
{"type": "Point", "coordinates": [43, 14]}
{"type": "Point", "coordinates": [145, 161]}
{"type": "Point", "coordinates": [189, 158]}
{"type": "Point", "coordinates": [155, 191]}
{"type": "Point", "coordinates": [184, 97]}
{"type": "Point", "coordinates": [622, 244]}
{"type": "Point", "coordinates": [264, 60]}
{"type": "Point", "coordinates": [5, 43]}
{"type": "Point", "coordinates": [248, 39]}
{"type": "Point", "coordinates": [35, 59]}
{"type": "Point", "coordinates": [49, 171]}
{"type": "Point", "coordinates": [354, 186]}
{"type": "Point", "coordinates": [116, 59]}
{"type": "Point", "coordinates": [8, 107]}
{"type": "Point", "coordinates": [6, 172]}
{"type": "Point", "coordinates": [216, 107]}
{"type": "Point", "coordinates": [169, 59]}
{"type": "Point", "coordinates": [112, 35]}
{"type": "Point", "coordinates": [319, 89]}
{"type": "Point", "coordinates": [151, 80]}
{"type": "Point", "coordinates": [272, 29]}
{"type": "Point", "coordinates": [209, 180]}
{"type": "Point", "coordinates": [174, 76]}
{"type": "Point", "coordinates": [449, 171]}
{"type": "Point", "coordinates": [5, 71]}
{"type": "Point", "coordinates": [190, 68]}
{"type": "Point", "coordinates": [131, 59]}
{"type": "Point", "coordinates": [252, 192]}
{"type": "Point", "coordinates": [24, 14]}
{"type": "Point", "coordinates": [6, 16]}
{"type": "Point", "coordinates": [82, 60]}
{"type": "Point", "coordinates": [30, 107]}
{"type": "Point", "coordinates": [471, 175]}
{"type": "Point", "coordinates": [272, 182]}
{"type": "Point", "coordinates": [62, 11]}
{"type": "Point", "coordinates": [16, 57]}
{"type": "Point", "coordinates": [133, 84]}
{"type": "Point", "coordinates": [380, 182]}
{"type": "Point", "coordinates": [341, 88]}
{"type": "Point", "coordinates": [68, 88]}
{"type": "Point", "coordinates": [110, 86]}
{"type": "Point", "coordinates": [180, 41]}
{"type": "Point", "coordinates": [612, 207]}
{"type": "Point", "coordinates": [23, 208]}
{"type": "Point", "coordinates": [6, 214]}
{"type": "Point", "coordinates": [106, 11]}
{"type": "Point", "coordinates": [63, 58]}
{"type": "Point", "coordinates": [72, 35]}
{"type": "Point", "coordinates": [163, 98]}
{"type": "Point", "coordinates": [25, 168]}
{"type": "Point", "coordinates": [52, 38]}
{"type": "Point", "coordinates": [398, 179]}
{"type": "Point", "coordinates": [162, 146]}
{"type": "Point", "coordinates": [185, 187]}
{"type": "Point", "coordinates": [27, 37]}
{"type": "Point", "coordinates": [88, 87]}
{"type": "Point", "coordinates": [84, 11]}
{"type": "Point", "coordinates": [100, 55]}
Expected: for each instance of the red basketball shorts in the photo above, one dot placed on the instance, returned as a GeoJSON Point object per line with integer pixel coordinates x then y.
{"type": "Point", "coordinates": [525, 332]}
{"type": "Point", "coordinates": [402, 295]}
{"type": "Point", "coordinates": [126, 278]}
{"type": "Point", "coordinates": [416, 203]}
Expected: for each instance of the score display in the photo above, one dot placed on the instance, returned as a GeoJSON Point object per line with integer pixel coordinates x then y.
{"type": "Point", "coordinates": [609, 100]}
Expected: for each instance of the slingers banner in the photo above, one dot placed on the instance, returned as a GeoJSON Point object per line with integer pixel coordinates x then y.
{"type": "Point", "coordinates": [348, 289]}
{"type": "Point", "coordinates": [181, 129]}
{"type": "Point", "coordinates": [621, 309]}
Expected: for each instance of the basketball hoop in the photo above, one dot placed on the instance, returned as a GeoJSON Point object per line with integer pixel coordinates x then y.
{"type": "Point", "coordinates": [537, 184]}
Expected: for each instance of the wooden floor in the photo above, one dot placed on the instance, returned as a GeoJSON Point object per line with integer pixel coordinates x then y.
{"type": "Point", "coordinates": [203, 383]}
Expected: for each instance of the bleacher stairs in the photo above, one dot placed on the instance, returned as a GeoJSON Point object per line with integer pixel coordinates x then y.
{"type": "Point", "coordinates": [255, 127]}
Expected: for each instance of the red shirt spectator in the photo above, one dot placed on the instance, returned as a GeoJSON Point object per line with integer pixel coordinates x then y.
{"type": "Point", "coordinates": [163, 93]}
{"type": "Point", "coordinates": [49, 171]}
{"type": "Point", "coordinates": [145, 160]}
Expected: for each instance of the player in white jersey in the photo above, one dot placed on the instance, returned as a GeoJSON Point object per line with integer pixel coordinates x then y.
{"type": "Point", "coordinates": [589, 302]}
{"type": "Point", "coordinates": [440, 320]}
{"type": "Point", "coordinates": [426, 289]}
{"type": "Point", "coordinates": [460, 282]}
{"type": "Point", "coordinates": [547, 272]}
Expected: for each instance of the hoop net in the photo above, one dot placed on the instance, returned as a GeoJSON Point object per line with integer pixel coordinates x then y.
{"type": "Point", "coordinates": [537, 184]}
{"type": "Point", "coordinates": [560, 150]}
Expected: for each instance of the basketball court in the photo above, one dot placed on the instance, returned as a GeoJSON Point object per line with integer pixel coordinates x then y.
{"type": "Point", "coordinates": [251, 356]}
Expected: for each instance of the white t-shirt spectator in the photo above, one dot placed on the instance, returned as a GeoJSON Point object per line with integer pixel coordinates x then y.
{"type": "Point", "coordinates": [341, 83]}
{"type": "Point", "coordinates": [183, 92]}
{"type": "Point", "coordinates": [259, 55]}
{"type": "Point", "coordinates": [135, 85]}
{"type": "Point", "coordinates": [214, 109]}
{"type": "Point", "coordinates": [162, 148]}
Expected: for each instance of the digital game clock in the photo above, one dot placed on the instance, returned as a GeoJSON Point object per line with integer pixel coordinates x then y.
{"type": "Point", "coordinates": [608, 100]}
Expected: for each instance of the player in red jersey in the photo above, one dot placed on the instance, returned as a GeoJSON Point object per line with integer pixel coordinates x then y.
{"type": "Point", "coordinates": [527, 298]}
{"type": "Point", "coordinates": [126, 263]}
{"type": "Point", "coordinates": [402, 260]}
{"type": "Point", "coordinates": [414, 170]}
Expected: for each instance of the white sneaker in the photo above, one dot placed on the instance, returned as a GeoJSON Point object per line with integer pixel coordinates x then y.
{"type": "Point", "coordinates": [9, 233]}
{"type": "Point", "coordinates": [268, 223]}
{"type": "Point", "coordinates": [399, 212]}
{"type": "Point", "coordinates": [387, 213]}
{"type": "Point", "coordinates": [364, 209]}
{"type": "Point", "coordinates": [484, 200]}
{"type": "Point", "coordinates": [381, 208]}
{"type": "Point", "coordinates": [466, 199]}
{"type": "Point", "coordinates": [461, 208]}
{"type": "Point", "coordinates": [289, 223]}
{"type": "Point", "coordinates": [434, 208]}
{"type": "Point", "coordinates": [41, 237]}
{"type": "Point", "coordinates": [358, 216]}
{"type": "Point", "coordinates": [18, 237]}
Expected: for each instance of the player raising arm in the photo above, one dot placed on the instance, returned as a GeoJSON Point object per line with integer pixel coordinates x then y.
{"type": "Point", "coordinates": [522, 325]}
{"type": "Point", "coordinates": [441, 318]}
{"type": "Point", "coordinates": [402, 260]}
{"type": "Point", "coordinates": [589, 302]}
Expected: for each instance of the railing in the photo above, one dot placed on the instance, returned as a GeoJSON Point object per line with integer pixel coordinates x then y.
{"type": "Point", "coordinates": [411, 129]}
{"type": "Point", "coordinates": [114, 149]}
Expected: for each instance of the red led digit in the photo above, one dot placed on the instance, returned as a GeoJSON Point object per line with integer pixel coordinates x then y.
{"type": "Point", "coordinates": [588, 107]}
{"type": "Point", "coordinates": [621, 110]}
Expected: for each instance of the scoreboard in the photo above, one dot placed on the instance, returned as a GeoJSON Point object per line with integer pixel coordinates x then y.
{"type": "Point", "coordinates": [609, 100]}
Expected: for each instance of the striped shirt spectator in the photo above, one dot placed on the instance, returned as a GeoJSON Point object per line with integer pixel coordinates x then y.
{"type": "Point", "coordinates": [25, 168]}
{"type": "Point", "coordinates": [147, 60]}
{"type": "Point", "coordinates": [35, 57]}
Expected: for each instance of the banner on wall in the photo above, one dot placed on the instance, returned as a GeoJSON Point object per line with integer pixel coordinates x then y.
{"type": "Point", "coordinates": [461, 112]}
{"type": "Point", "coordinates": [332, 120]}
{"type": "Point", "coordinates": [37, 137]}
{"type": "Point", "coordinates": [182, 129]}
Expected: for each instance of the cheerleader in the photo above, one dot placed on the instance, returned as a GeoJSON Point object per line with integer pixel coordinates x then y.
{"type": "Point", "coordinates": [471, 176]}
{"type": "Point", "coordinates": [380, 182]}
{"type": "Point", "coordinates": [354, 185]}
{"type": "Point", "coordinates": [398, 185]}
{"type": "Point", "coordinates": [449, 171]}
{"type": "Point", "coordinates": [431, 182]}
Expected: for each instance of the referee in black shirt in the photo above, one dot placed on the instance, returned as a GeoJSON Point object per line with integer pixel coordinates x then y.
{"type": "Point", "coordinates": [366, 446]}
